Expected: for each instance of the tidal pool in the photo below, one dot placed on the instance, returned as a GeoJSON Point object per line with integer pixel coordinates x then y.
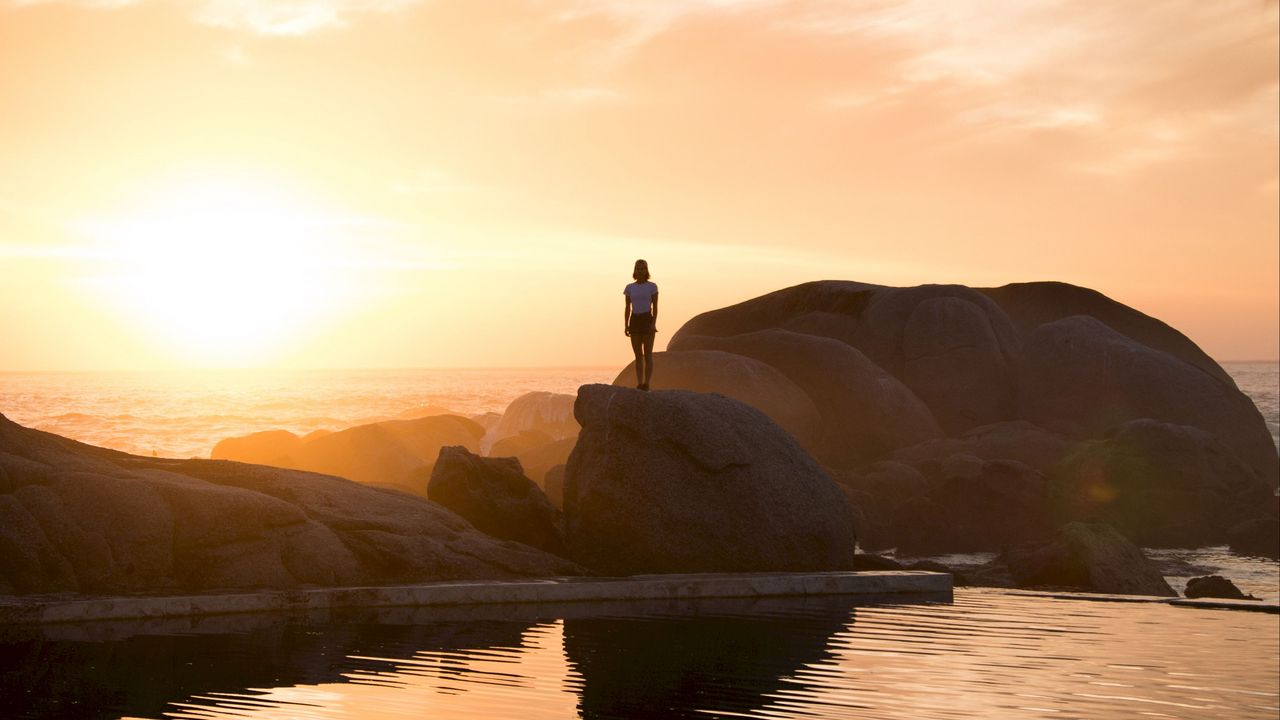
{"type": "Point", "coordinates": [985, 654]}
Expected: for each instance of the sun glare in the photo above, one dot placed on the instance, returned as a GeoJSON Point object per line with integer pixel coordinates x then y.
{"type": "Point", "coordinates": [222, 271]}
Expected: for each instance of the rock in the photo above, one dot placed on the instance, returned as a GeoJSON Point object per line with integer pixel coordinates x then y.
{"type": "Point", "coordinates": [866, 413]}
{"type": "Point", "coordinates": [780, 308]}
{"type": "Point", "coordinates": [1009, 440]}
{"type": "Point", "coordinates": [270, 447]}
{"type": "Point", "coordinates": [551, 413]}
{"type": "Point", "coordinates": [881, 490]}
{"type": "Point", "coordinates": [1257, 536]}
{"type": "Point", "coordinates": [1082, 378]}
{"type": "Point", "coordinates": [522, 442]}
{"type": "Point", "coordinates": [751, 381]}
{"type": "Point", "coordinates": [1087, 556]}
{"type": "Point", "coordinates": [1030, 305]}
{"type": "Point", "coordinates": [393, 453]}
{"type": "Point", "coordinates": [974, 505]}
{"type": "Point", "coordinates": [494, 495]}
{"type": "Point", "coordinates": [89, 520]}
{"type": "Point", "coordinates": [1162, 485]}
{"type": "Point", "coordinates": [553, 485]}
{"type": "Point", "coordinates": [536, 458]}
{"type": "Point", "coordinates": [677, 481]}
{"type": "Point", "coordinates": [1215, 586]}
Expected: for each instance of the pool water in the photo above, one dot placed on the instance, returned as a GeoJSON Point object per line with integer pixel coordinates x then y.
{"type": "Point", "coordinates": [985, 654]}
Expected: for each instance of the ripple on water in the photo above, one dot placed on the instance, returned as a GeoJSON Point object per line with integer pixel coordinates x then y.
{"type": "Point", "coordinates": [988, 654]}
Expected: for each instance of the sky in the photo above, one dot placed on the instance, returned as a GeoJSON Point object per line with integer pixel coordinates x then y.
{"type": "Point", "coordinates": [431, 183]}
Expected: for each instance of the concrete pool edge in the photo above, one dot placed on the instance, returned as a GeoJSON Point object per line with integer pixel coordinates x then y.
{"type": "Point", "coordinates": [22, 610]}
{"type": "Point", "coordinates": [1209, 603]}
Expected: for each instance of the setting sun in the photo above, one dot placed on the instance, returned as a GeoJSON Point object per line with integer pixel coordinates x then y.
{"type": "Point", "coordinates": [225, 268]}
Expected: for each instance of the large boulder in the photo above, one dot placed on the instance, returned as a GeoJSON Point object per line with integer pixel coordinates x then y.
{"type": "Point", "coordinates": [1082, 378]}
{"type": "Point", "coordinates": [743, 378]}
{"type": "Point", "coordinates": [1087, 556]}
{"type": "Point", "coordinates": [786, 308]}
{"type": "Point", "coordinates": [678, 481]}
{"type": "Point", "coordinates": [1030, 305]}
{"type": "Point", "coordinates": [75, 518]}
{"type": "Point", "coordinates": [881, 489]}
{"type": "Point", "coordinates": [1010, 440]}
{"type": "Point", "coordinates": [269, 447]}
{"type": "Point", "coordinates": [973, 505]}
{"type": "Point", "coordinates": [866, 412]}
{"type": "Point", "coordinates": [1215, 586]}
{"type": "Point", "coordinates": [1161, 484]}
{"type": "Point", "coordinates": [1259, 537]}
{"type": "Point", "coordinates": [494, 495]}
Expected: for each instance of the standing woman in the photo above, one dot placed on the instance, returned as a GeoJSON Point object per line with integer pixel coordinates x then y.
{"type": "Point", "coordinates": [640, 317]}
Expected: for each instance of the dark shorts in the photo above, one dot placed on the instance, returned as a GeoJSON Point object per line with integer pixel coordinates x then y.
{"type": "Point", "coordinates": [642, 325]}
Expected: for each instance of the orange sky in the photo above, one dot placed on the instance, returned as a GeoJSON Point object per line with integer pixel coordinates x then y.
{"type": "Point", "coordinates": [395, 183]}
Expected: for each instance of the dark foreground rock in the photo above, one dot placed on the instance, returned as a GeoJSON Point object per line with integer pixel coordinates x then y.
{"type": "Point", "coordinates": [1259, 537]}
{"type": "Point", "coordinates": [76, 518]}
{"type": "Point", "coordinates": [1215, 586]}
{"type": "Point", "coordinates": [1086, 556]}
{"type": "Point", "coordinates": [678, 481]}
{"type": "Point", "coordinates": [494, 495]}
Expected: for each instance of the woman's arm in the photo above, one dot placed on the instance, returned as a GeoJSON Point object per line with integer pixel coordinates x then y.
{"type": "Point", "coordinates": [626, 316]}
{"type": "Point", "coordinates": [654, 310]}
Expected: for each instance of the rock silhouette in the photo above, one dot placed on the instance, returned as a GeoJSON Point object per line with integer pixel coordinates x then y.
{"type": "Point", "coordinates": [494, 495]}
{"type": "Point", "coordinates": [677, 481]}
{"type": "Point", "coordinates": [1087, 556]}
{"type": "Point", "coordinates": [1039, 374]}
{"type": "Point", "coordinates": [392, 453]}
{"type": "Point", "coordinates": [76, 518]}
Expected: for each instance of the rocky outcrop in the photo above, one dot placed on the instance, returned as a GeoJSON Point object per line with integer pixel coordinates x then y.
{"type": "Point", "coordinates": [394, 453]}
{"type": "Point", "coordinates": [536, 451]}
{"type": "Point", "coordinates": [1086, 556]}
{"type": "Point", "coordinates": [974, 505]}
{"type": "Point", "coordinates": [548, 412]}
{"type": "Point", "coordinates": [1215, 586]}
{"type": "Point", "coordinates": [1032, 374]}
{"type": "Point", "coordinates": [865, 412]}
{"type": "Point", "coordinates": [1259, 537]}
{"type": "Point", "coordinates": [1082, 378]}
{"type": "Point", "coordinates": [742, 378]}
{"type": "Point", "coordinates": [677, 481]}
{"type": "Point", "coordinates": [1160, 484]}
{"type": "Point", "coordinates": [75, 518]}
{"type": "Point", "coordinates": [269, 447]}
{"type": "Point", "coordinates": [494, 495]}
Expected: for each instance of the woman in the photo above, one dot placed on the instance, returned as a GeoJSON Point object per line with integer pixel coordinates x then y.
{"type": "Point", "coordinates": [640, 317]}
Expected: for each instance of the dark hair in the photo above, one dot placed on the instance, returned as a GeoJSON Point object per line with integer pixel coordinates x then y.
{"type": "Point", "coordinates": [641, 271]}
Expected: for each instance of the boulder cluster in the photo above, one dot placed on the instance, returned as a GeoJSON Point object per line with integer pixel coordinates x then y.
{"type": "Point", "coordinates": [1042, 420]}
{"type": "Point", "coordinates": [961, 419]}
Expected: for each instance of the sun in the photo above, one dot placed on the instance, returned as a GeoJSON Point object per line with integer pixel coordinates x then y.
{"type": "Point", "coordinates": [221, 271]}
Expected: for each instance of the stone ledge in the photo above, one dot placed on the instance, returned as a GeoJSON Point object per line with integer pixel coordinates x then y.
{"type": "Point", "coordinates": [35, 610]}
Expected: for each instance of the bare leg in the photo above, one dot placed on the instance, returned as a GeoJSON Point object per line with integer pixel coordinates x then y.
{"type": "Point", "coordinates": [648, 359]}
{"type": "Point", "coordinates": [637, 348]}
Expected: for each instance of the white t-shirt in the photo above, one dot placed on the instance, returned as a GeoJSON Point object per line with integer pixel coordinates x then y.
{"type": "Point", "coordinates": [641, 295]}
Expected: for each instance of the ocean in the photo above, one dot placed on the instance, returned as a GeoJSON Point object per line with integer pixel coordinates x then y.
{"type": "Point", "coordinates": [183, 414]}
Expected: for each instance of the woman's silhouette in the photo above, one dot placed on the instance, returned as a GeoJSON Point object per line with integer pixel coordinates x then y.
{"type": "Point", "coordinates": [641, 317]}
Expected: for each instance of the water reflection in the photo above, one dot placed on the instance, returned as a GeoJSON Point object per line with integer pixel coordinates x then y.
{"type": "Point", "coordinates": [986, 655]}
{"type": "Point", "coordinates": [700, 663]}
